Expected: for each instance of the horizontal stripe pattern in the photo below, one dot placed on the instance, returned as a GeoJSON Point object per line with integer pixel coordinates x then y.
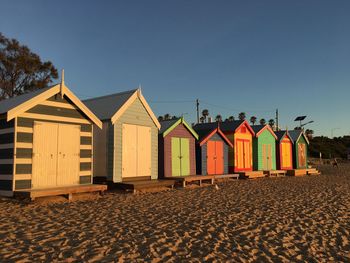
{"type": "Point", "coordinates": [86, 179]}
{"type": "Point", "coordinates": [7, 138]}
{"type": "Point", "coordinates": [56, 111]}
{"type": "Point", "coordinates": [23, 184]}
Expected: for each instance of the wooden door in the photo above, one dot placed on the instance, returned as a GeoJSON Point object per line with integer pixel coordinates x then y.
{"type": "Point", "coordinates": [302, 155]}
{"type": "Point", "coordinates": [129, 151]}
{"type": "Point", "coordinates": [44, 172]}
{"type": "Point", "coordinates": [286, 149]}
{"type": "Point", "coordinates": [269, 157]}
{"type": "Point", "coordinates": [175, 156]}
{"type": "Point", "coordinates": [68, 143]}
{"type": "Point", "coordinates": [219, 157]}
{"type": "Point", "coordinates": [240, 154]}
{"type": "Point", "coordinates": [211, 155]}
{"type": "Point", "coordinates": [246, 154]}
{"type": "Point", "coordinates": [143, 151]}
{"type": "Point", "coordinates": [264, 157]}
{"type": "Point", "coordinates": [185, 156]}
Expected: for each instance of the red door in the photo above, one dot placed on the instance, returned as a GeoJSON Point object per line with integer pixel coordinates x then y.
{"type": "Point", "coordinates": [215, 157]}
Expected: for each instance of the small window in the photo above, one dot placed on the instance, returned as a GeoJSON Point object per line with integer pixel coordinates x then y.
{"type": "Point", "coordinates": [243, 130]}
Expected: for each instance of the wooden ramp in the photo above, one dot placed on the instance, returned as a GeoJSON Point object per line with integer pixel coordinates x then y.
{"type": "Point", "coordinates": [66, 191]}
{"type": "Point", "coordinates": [252, 174]}
{"type": "Point", "coordinates": [277, 173]}
{"type": "Point", "coordinates": [144, 184]}
{"type": "Point", "coordinates": [301, 172]}
{"type": "Point", "coordinates": [218, 177]}
{"type": "Point", "coordinates": [183, 180]}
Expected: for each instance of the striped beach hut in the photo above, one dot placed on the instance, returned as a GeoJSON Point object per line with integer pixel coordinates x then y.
{"type": "Point", "coordinates": [300, 148]}
{"type": "Point", "coordinates": [264, 148]}
{"type": "Point", "coordinates": [212, 152]}
{"type": "Point", "coordinates": [284, 150]}
{"type": "Point", "coordinates": [240, 135]}
{"type": "Point", "coordinates": [177, 142]}
{"type": "Point", "coordinates": [45, 140]}
{"type": "Point", "coordinates": [126, 149]}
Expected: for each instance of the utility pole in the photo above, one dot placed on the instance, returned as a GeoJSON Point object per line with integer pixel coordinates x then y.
{"type": "Point", "coordinates": [197, 106]}
{"type": "Point", "coordinates": [276, 119]}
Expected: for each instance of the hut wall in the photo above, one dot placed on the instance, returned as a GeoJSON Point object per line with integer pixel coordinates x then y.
{"type": "Point", "coordinates": [264, 138]}
{"type": "Point", "coordinates": [136, 114]}
{"type": "Point", "coordinates": [57, 110]}
{"type": "Point", "coordinates": [296, 153]}
{"type": "Point", "coordinates": [7, 135]}
{"type": "Point", "coordinates": [182, 132]}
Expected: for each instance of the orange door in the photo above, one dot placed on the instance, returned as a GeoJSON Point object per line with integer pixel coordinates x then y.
{"type": "Point", "coordinates": [219, 150]}
{"type": "Point", "coordinates": [239, 154]}
{"type": "Point", "coordinates": [286, 155]}
{"type": "Point", "coordinates": [246, 155]}
{"type": "Point", "coordinates": [211, 157]}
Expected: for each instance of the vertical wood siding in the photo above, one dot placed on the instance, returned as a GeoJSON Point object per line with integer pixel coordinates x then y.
{"type": "Point", "coordinates": [264, 138]}
{"type": "Point", "coordinates": [181, 132]}
{"type": "Point", "coordinates": [136, 114]}
{"type": "Point", "coordinates": [57, 110]}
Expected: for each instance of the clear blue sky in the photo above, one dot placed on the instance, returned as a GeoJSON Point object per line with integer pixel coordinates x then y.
{"type": "Point", "coordinates": [251, 56]}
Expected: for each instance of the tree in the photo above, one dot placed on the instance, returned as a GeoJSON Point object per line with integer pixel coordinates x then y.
{"type": "Point", "coordinates": [241, 116]}
{"type": "Point", "coordinates": [262, 121]}
{"type": "Point", "coordinates": [309, 133]}
{"type": "Point", "coordinates": [231, 118]}
{"type": "Point", "coordinates": [271, 122]}
{"type": "Point", "coordinates": [205, 114]}
{"type": "Point", "coordinates": [160, 118]}
{"type": "Point", "coordinates": [253, 120]}
{"type": "Point", "coordinates": [167, 116]}
{"type": "Point", "coordinates": [21, 70]}
{"type": "Point", "coordinates": [202, 119]}
{"type": "Point", "coordinates": [218, 118]}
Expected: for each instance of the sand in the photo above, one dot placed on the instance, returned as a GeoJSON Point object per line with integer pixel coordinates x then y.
{"type": "Point", "coordinates": [264, 220]}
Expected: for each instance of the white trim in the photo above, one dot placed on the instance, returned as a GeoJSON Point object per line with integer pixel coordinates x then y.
{"type": "Point", "coordinates": [7, 146]}
{"type": "Point", "coordinates": [6, 177]}
{"type": "Point", "coordinates": [7, 130]}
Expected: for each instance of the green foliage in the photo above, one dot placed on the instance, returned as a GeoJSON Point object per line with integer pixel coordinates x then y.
{"type": "Point", "coordinates": [21, 70]}
{"type": "Point", "coordinates": [329, 148]}
{"type": "Point", "coordinates": [241, 116]}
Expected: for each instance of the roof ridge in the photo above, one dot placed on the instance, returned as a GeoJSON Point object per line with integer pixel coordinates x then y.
{"type": "Point", "coordinates": [111, 95]}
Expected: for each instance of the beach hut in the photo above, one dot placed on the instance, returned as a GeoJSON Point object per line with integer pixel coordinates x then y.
{"type": "Point", "coordinates": [212, 152]}
{"type": "Point", "coordinates": [45, 142]}
{"type": "Point", "coordinates": [284, 149]}
{"type": "Point", "coordinates": [240, 135]}
{"type": "Point", "coordinates": [126, 149]}
{"type": "Point", "coordinates": [177, 142]}
{"type": "Point", "coordinates": [300, 143]}
{"type": "Point", "coordinates": [264, 148]}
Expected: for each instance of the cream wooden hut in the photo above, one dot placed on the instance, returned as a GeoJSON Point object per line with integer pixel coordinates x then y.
{"type": "Point", "coordinates": [126, 149]}
{"type": "Point", "coordinates": [45, 141]}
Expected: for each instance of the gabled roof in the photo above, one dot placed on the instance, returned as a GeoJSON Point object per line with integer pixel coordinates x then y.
{"type": "Point", "coordinates": [168, 125]}
{"type": "Point", "coordinates": [296, 134]}
{"type": "Point", "coordinates": [225, 126]}
{"type": "Point", "coordinates": [17, 105]}
{"type": "Point", "coordinates": [111, 107]}
{"type": "Point", "coordinates": [281, 134]}
{"type": "Point", "coordinates": [205, 135]}
{"type": "Point", "coordinates": [258, 129]}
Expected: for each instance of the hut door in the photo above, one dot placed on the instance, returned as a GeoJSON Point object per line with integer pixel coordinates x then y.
{"type": "Point", "coordinates": [44, 155]}
{"type": "Point", "coordinates": [180, 152]}
{"type": "Point", "coordinates": [246, 154]}
{"type": "Point", "coordinates": [68, 154]}
{"type": "Point", "coordinates": [136, 151]}
{"type": "Point", "coordinates": [286, 155]}
{"type": "Point", "coordinates": [215, 157]}
{"type": "Point", "coordinates": [266, 156]}
{"type": "Point", "coordinates": [302, 155]}
{"type": "Point", "coordinates": [240, 154]}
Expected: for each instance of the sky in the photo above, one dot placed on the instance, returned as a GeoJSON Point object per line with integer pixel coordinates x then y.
{"type": "Point", "coordinates": [234, 56]}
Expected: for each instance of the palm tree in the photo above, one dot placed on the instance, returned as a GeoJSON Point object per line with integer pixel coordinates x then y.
{"type": "Point", "coordinates": [253, 120]}
{"type": "Point", "coordinates": [272, 122]}
{"type": "Point", "coordinates": [160, 118]}
{"type": "Point", "coordinates": [205, 114]}
{"type": "Point", "coordinates": [231, 118]}
{"type": "Point", "coordinates": [241, 116]}
{"type": "Point", "coordinates": [167, 116]}
{"type": "Point", "coordinates": [218, 118]}
{"type": "Point", "coordinates": [202, 119]}
{"type": "Point", "coordinates": [262, 121]}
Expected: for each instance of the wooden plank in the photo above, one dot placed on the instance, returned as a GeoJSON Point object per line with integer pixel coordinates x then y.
{"type": "Point", "coordinates": [54, 118]}
{"type": "Point", "coordinates": [58, 104]}
{"type": "Point", "coordinates": [7, 130]}
{"type": "Point", "coordinates": [24, 129]}
{"type": "Point", "coordinates": [6, 161]}
{"type": "Point", "coordinates": [7, 146]}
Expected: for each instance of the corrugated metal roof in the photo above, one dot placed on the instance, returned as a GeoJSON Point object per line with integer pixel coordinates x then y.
{"type": "Point", "coordinates": [8, 104]}
{"type": "Point", "coordinates": [224, 126]}
{"type": "Point", "coordinates": [257, 128]}
{"type": "Point", "coordinates": [166, 124]}
{"type": "Point", "coordinates": [295, 134]}
{"type": "Point", "coordinates": [106, 106]}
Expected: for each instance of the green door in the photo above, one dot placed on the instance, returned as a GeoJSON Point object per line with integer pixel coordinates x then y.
{"type": "Point", "coordinates": [180, 153]}
{"type": "Point", "coordinates": [175, 156]}
{"type": "Point", "coordinates": [185, 156]}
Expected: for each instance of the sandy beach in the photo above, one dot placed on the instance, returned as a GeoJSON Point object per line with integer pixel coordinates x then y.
{"type": "Point", "coordinates": [265, 220]}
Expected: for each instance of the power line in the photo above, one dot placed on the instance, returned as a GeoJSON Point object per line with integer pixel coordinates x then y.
{"type": "Point", "coordinates": [231, 109]}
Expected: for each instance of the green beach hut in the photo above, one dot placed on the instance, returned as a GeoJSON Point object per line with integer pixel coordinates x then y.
{"type": "Point", "coordinates": [264, 148]}
{"type": "Point", "coordinates": [300, 156]}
